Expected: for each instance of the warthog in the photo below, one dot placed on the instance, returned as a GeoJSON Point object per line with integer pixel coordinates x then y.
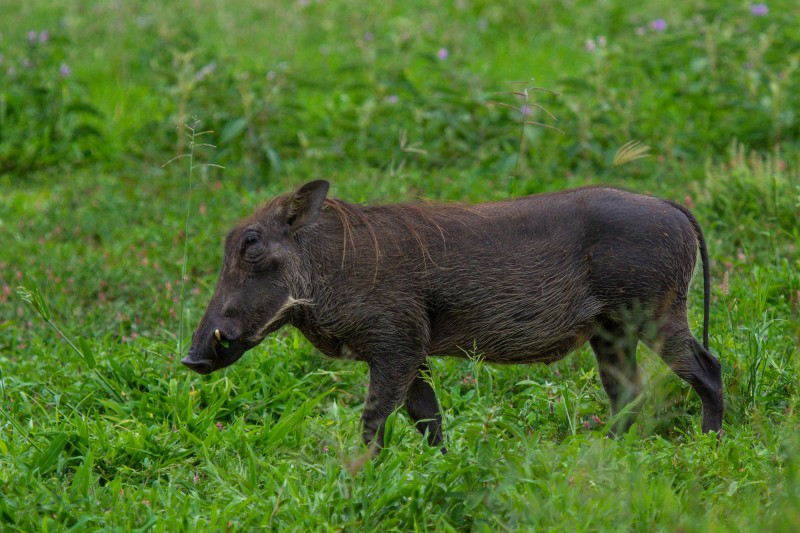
{"type": "Point", "coordinates": [517, 281]}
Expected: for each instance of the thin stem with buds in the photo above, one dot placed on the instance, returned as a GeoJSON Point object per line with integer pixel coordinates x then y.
{"type": "Point", "coordinates": [190, 129]}
{"type": "Point", "coordinates": [524, 112]}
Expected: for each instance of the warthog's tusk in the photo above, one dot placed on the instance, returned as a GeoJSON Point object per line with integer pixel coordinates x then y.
{"type": "Point", "coordinates": [217, 335]}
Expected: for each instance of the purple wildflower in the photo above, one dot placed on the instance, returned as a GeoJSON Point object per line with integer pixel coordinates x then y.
{"type": "Point", "coordinates": [442, 54]}
{"type": "Point", "coordinates": [392, 99]}
{"type": "Point", "coordinates": [659, 25]}
{"type": "Point", "coordinates": [26, 63]}
{"type": "Point", "coordinates": [44, 36]}
{"type": "Point", "coordinates": [759, 10]}
{"type": "Point", "coordinates": [32, 36]}
{"type": "Point", "coordinates": [368, 36]}
{"type": "Point", "coordinates": [591, 45]}
{"type": "Point", "coordinates": [64, 70]}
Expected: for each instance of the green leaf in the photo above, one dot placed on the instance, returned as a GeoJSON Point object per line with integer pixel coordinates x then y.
{"type": "Point", "coordinates": [46, 460]}
{"type": "Point", "coordinates": [290, 420]}
{"type": "Point", "coordinates": [252, 468]}
{"type": "Point", "coordinates": [390, 429]}
{"type": "Point", "coordinates": [82, 479]}
{"type": "Point", "coordinates": [86, 352]}
{"type": "Point", "coordinates": [82, 107]}
{"type": "Point", "coordinates": [232, 129]}
{"type": "Point", "coordinates": [273, 158]}
{"type": "Point", "coordinates": [85, 130]}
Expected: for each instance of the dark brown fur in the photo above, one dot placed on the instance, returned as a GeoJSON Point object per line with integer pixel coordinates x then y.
{"type": "Point", "coordinates": [517, 281]}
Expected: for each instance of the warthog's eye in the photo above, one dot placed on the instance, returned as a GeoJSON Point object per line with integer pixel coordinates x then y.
{"type": "Point", "coordinates": [249, 239]}
{"type": "Point", "coordinates": [252, 247]}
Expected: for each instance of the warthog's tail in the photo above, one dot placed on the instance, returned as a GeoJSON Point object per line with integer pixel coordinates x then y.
{"type": "Point", "coordinates": [704, 258]}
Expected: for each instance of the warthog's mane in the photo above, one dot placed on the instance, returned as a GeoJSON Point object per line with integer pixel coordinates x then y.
{"type": "Point", "coordinates": [421, 220]}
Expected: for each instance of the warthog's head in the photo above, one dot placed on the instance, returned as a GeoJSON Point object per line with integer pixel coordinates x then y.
{"type": "Point", "coordinates": [261, 271]}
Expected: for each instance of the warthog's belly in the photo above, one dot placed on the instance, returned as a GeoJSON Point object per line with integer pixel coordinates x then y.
{"type": "Point", "coordinates": [516, 334]}
{"type": "Point", "coordinates": [513, 349]}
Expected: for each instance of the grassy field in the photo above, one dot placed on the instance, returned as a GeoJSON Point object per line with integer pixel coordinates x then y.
{"type": "Point", "coordinates": [102, 428]}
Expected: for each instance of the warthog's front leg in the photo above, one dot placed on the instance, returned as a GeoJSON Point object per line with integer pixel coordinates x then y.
{"type": "Point", "coordinates": [389, 382]}
{"type": "Point", "coordinates": [423, 408]}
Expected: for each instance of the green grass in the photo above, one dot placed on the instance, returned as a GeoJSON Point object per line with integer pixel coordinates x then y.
{"type": "Point", "coordinates": [122, 437]}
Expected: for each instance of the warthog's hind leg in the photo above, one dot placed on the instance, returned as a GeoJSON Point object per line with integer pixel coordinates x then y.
{"type": "Point", "coordinates": [694, 364]}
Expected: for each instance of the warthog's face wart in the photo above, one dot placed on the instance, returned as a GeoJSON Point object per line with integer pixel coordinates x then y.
{"type": "Point", "coordinates": [254, 291]}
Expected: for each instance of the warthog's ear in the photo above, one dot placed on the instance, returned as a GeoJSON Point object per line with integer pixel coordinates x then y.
{"type": "Point", "coordinates": [305, 204]}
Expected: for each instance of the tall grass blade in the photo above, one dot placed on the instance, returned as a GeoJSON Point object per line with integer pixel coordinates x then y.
{"type": "Point", "coordinates": [289, 421]}
{"type": "Point", "coordinates": [35, 300]}
{"type": "Point", "coordinates": [46, 460]}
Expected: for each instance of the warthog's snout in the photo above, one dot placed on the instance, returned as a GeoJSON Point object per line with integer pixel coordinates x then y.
{"type": "Point", "coordinates": [201, 367]}
{"type": "Point", "coordinates": [214, 347]}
